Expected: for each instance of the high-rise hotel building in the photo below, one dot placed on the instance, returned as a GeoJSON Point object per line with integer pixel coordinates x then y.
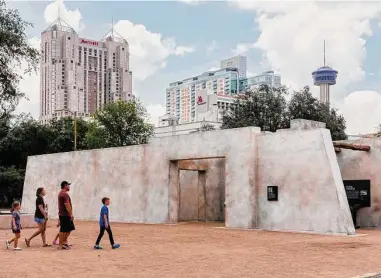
{"type": "Point", "coordinates": [185, 97]}
{"type": "Point", "coordinates": [78, 75]}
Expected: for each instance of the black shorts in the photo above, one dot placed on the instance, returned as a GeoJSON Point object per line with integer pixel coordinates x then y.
{"type": "Point", "coordinates": [66, 224]}
{"type": "Point", "coordinates": [16, 231]}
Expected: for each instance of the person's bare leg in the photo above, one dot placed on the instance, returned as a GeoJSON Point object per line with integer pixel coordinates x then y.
{"type": "Point", "coordinates": [12, 240]}
{"type": "Point", "coordinates": [66, 238]}
{"type": "Point", "coordinates": [61, 239]}
{"type": "Point", "coordinates": [43, 234]}
{"type": "Point", "coordinates": [16, 241]}
{"type": "Point", "coordinates": [40, 229]}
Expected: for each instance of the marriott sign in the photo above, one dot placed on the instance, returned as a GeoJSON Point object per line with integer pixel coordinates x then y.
{"type": "Point", "coordinates": [89, 42]}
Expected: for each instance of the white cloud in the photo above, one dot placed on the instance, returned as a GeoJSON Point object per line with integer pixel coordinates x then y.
{"type": "Point", "coordinates": [149, 51]}
{"type": "Point", "coordinates": [58, 8]}
{"type": "Point", "coordinates": [362, 111]}
{"type": "Point", "coordinates": [243, 48]}
{"type": "Point", "coordinates": [211, 47]}
{"type": "Point", "coordinates": [30, 86]}
{"type": "Point", "coordinates": [156, 111]}
{"type": "Point", "coordinates": [182, 50]}
{"type": "Point", "coordinates": [292, 35]}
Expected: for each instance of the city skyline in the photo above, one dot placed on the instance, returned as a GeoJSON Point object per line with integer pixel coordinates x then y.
{"type": "Point", "coordinates": [166, 52]}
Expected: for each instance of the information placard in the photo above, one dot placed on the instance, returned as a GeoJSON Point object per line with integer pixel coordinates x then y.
{"type": "Point", "coordinates": [272, 193]}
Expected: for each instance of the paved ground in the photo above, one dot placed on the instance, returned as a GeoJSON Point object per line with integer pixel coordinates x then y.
{"type": "Point", "coordinates": [196, 250]}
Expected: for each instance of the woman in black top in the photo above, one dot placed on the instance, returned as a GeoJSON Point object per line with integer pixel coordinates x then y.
{"type": "Point", "coordinates": [41, 218]}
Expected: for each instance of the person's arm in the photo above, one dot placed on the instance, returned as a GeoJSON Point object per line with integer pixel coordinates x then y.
{"type": "Point", "coordinates": [14, 223]}
{"type": "Point", "coordinates": [105, 219]}
{"type": "Point", "coordinates": [68, 208]}
{"type": "Point", "coordinates": [58, 223]}
{"type": "Point", "coordinates": [41, 207]}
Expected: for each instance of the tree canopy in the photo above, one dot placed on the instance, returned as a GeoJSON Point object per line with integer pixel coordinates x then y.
{"type": "Point", "coordinates": [267, 107]}
{"type": "Point", "coordinates": [120, 124]}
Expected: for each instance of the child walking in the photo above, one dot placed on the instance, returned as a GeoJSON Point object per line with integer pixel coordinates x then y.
{"type": "Point", "coordinates": [104, 225]}
{"type": "Point", "coordinates": [15, 226]}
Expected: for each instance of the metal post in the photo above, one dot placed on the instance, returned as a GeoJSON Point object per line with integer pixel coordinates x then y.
{"type": "Point", "coordinates": [75, 132]}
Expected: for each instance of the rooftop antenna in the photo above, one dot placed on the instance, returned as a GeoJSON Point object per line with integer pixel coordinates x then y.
{"type": "Point", "coordinates": [324, 52]}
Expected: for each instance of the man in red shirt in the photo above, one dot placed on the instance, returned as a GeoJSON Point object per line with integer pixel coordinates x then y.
{"type": "Point", "coordinates": [65, 213]}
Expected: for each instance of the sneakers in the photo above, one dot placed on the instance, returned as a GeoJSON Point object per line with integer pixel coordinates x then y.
{"type": "Point", "coordinates": [7, 244]}
{"type": "Point", "coordinates": [17, 249]}
{"type": "Point", "coordinates": [115, 246]}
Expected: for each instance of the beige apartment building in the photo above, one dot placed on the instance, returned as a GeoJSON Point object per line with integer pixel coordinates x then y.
{"type": "Point", "coordinates": [79, 75]}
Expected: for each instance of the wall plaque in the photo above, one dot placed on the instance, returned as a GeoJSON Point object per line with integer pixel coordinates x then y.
{"type": "Point", "coordinates": [358, 192]}
{"type": "Point", "coordinates": [358, 195]}
{"type": "Point", "coordinates": [272, 193]}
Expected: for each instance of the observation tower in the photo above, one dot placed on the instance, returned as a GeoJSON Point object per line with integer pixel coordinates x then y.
{"type": "Point", "coordinates": [324, 77]}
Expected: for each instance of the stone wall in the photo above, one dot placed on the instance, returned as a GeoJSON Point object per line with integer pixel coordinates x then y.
{"type": "Point", "coordinates": [360, 165]}
{"type": "Point", "coordinates": [145, 183]}
{"type": "Point", "coordinates": [311, 193]}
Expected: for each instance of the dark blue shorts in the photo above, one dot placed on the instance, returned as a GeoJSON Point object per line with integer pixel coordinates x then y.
{"type": "Point", "coordinates": [16, 231]}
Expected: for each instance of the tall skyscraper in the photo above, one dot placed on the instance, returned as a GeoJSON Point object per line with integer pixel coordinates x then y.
{"type": "Point", "coordinates": [78, 75]}
{"type": "Point", "coordinates": [238, 62]}
{"type": "Point", "coordinates": [324, 77]}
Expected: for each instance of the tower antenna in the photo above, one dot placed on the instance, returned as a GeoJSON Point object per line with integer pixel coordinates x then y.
{"type": "Point", "coordinates": [59, 10]}
{"type": "Point", "coordinates": [324, 52]}
{"type": "Point", "coordinates": [112, 26]}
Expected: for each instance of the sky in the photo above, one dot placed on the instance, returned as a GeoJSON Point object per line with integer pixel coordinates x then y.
{"type": "Point", "coordinates": [173, 40]}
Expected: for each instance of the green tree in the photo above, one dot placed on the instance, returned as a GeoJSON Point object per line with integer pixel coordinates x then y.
{"type": "Point", "coordinates": [62, 131]}
{"type": "Point", "coordinates": [11, 185]}
{"type": "Point", "coordinates": [304, 106]}
{"type": "Point", "coordinates": [14, 49]}
{"type": "Point", "coordinates": [96, 137]}
{"type": "Point", "coordinates": [206, 127]}
{"type": "Point", "coordinates": [268, 109]}
{"type": "Point", "coordinates": [120, 124]}
{"type": "Point", "coordinates": [264, 107]}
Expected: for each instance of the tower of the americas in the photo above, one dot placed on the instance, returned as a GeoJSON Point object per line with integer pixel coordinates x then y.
{"type": "Point", "coordinates": [324, 77]}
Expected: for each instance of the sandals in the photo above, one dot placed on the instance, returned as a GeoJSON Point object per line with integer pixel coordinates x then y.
{"type": "Point", "coordinates": [27, 242]}
{"type": "Point", "coordinates": [46, 245]}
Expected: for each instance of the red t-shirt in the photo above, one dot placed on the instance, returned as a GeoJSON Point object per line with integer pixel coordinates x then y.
{"type": "Point", "coordinates": [63, 198]}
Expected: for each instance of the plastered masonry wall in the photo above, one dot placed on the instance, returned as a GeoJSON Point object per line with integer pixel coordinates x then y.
{"type": "Point", "coordinates": [143, 181]}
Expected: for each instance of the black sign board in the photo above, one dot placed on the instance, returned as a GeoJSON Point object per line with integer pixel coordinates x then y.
{"type": "Point", "coordinates": [358, 192]}
{"type": "Point", "coordinates": [272, 193]}
{"type": "Point", "coordinates": [358, 195]}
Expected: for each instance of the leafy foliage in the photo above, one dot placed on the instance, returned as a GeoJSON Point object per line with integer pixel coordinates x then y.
{"type": "Point", "coordinates": [304, 106]}
{"type": "Point", "coordinates": [267, 108]}
{"type": "Point", "coordinates": [14, 49]}
{"type": "Point", "coordinates": [121, 124]}
{"type": "Point", "coordinates": [206, 127]}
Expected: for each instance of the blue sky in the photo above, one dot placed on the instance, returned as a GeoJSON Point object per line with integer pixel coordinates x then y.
{"type": "Point", "coordinates": [285, 36]}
